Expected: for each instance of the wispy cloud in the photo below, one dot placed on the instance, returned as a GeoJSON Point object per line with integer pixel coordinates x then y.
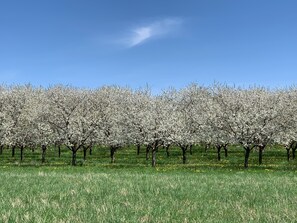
{"type": "Point", "coordinates": [156, 29]}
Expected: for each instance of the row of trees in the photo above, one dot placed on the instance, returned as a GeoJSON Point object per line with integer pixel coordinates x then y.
{"type": "Point", "coordinates": [115, 117]}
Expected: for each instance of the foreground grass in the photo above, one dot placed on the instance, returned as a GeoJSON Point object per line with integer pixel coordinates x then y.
{"type": "Point", "coordinates": [113, 195]}
{"type": "Point", "coordinates": [203, 190]}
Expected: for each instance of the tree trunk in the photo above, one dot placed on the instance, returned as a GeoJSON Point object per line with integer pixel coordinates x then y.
{"type": "Point", "coordinates": [147, 152]}
{"type": "Point", "coordinates": [1, 149]}
{"type": "Point", "coordinates": [288, 154]}
{"type": "Point", "coordinates": [219, 152]}
{"type": "Point", "coordinates": [184, 149]}
{"type": "Point", "coordinates": [260, 155]}
{"type": "Point", "coordinates": [22, 152]}
{"type": "Point", "coordinates": [59, 150]}
{"type": "Point", "coordinates": [13, 151]}
{"type": "Point", "coordinates": [293, 152]}
{"type": "Point", "coordinates": [43, 153]}
{"type": "Point", "coordinates": [226, 150]}
{"type": "Point", "coordinates": [73, 156]}
{"type": "Point", "coordinates": [154, 157]}
{"type": "Point", "coordinates": [85, 152]}
{"type": "Point", "coordinates": [261, 148]}
{"type": "Point", "coordinates": [112, 152]}
{"type": "Point", "coordinates": [32, 149]}
{"type": "Point", "coordinates": [138, 149]}
{"type": "Point", "coordinates": [191, 149]}
{"type": "Point", "coordinates": [167, 151]}
{"type": "Point", "coordinates": [90, 151]}
{"type": "Point", "coordinates": [246, 157]}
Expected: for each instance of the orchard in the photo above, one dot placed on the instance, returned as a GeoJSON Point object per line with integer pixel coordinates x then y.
{"type": "Point", "coordinates": [116, 117]}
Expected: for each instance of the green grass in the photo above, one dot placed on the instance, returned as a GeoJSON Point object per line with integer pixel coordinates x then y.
{"type": "Point", "coordinates": [273, 159]}
{"type": "Point", "coordinates": [203, 190]}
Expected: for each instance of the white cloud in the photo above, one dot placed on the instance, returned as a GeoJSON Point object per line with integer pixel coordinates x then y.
{"type": "Point", "coordinates": [140, 35]}
{"type": "Point", "coordinates": [156, 29]}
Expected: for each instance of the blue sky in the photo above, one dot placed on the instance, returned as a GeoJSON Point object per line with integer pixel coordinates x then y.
{"type": "Point", "coordinates": [92, 43]}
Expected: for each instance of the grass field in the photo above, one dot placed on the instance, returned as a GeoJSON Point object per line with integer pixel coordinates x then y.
{"type": "Point", "coordinates": [203, 190]}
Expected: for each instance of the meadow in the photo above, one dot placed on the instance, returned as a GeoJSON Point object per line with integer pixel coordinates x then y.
{"type": "Point", "coordinates": [130, 190]}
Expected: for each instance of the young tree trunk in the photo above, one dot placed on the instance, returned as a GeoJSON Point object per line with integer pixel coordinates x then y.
{"type": "Point", "coordinates": [147, 152]}
{"type": "Point", "coordinates": [112, 152]}
{"type": "Point", "coordinates": [85, 152]}
{"type": "Point", "coordinates": [74, 150]}
{"type": "Point", "coordinates": [154, 150]}
{"type": "Point", "coordinates": [261, 148]}
{"type": "Point", "coordinates": [32, 149]}
{"type": "Point", "coordinates": [246, 157]}
{"type": "Point", "coordinates": [219, 147]}
{"type": "Point", "coordinates": [184, 149]}
{"type": "Point", "coordinates": [288, 153]}
{"type": "Point", "coordinates": [22, 152]}
{"type": "Point", "coordinates": [293, 152]}
{"type": "Point", "coordinates": [85, 149]}
{"type": "Point", "coordinates": [226, 150]}
{"type": "Point", "coordinates": [43, 147]}
{"type": "Point", "coordinates": [59, 151]}
{"type": "Point", "coordinates": [13, 151]}
{"type": "Point", "coordinates": [1, 149]}
{"type": "Point", "coordinates": [191, 149]}
{"type": "Point", "coordinates": [138, 149]}
{"type": "Point", "coordinates": [90, 151]}
{"type": "Point", "coordinates": [167, 151]}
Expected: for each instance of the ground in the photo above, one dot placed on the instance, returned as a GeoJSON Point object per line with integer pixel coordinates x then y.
{"type": "Point", "coordinates": [203, 190]}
